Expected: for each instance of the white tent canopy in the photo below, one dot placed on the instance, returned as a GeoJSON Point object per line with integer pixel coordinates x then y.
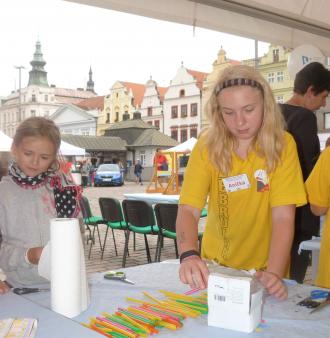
{"type": "Point", "coordinates": [185, 147]}
{"type": "Point", "coordinates": [68, 149]}
{"type": "Point", "coordinates": [282, 22]}
{"type": "Point", "coordinates": [5, 142]}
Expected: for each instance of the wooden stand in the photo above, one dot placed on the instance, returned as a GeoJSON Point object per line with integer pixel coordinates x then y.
{"type": "Point", "coordinates": [173, 186]}
{"type": "Point", "coordinates": [157, 183]}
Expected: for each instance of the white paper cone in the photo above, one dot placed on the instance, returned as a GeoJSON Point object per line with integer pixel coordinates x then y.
{"type": "Point", "coordinates": [69, 289]}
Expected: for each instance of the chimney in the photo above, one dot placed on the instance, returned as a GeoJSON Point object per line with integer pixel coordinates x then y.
{"type": "Point", "coordinates": [126, 116]}
{"type": "Point", "coordinates": [136, 115]}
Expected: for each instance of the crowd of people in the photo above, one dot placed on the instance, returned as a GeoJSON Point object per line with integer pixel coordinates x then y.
{"type": "Point", "coordinates": [250, 164]}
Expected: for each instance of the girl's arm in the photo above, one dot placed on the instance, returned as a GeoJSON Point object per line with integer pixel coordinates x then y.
{"type": "Point", "coordinates": [279, 253]}
{"type": "Point", "coordinates": [3, 287]}
{"type": "Point", "coordinates": [318, 211]}
{"type": "Point", "coordinates": [193, 270]}
{"type": "Point", "coordinates": [33, 255]}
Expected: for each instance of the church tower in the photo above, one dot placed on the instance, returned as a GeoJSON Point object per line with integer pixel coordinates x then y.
{"type": "Point", "coordinates": [90, 82]}
{"type": "Point", "coordinates": [38, 76]}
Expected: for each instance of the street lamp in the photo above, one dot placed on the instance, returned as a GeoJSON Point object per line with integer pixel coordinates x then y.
{"type": "Point", "coordinates": [19, 92]}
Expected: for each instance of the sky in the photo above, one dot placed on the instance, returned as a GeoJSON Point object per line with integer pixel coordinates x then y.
{"type": "Point", "coordinates": [118, 46]}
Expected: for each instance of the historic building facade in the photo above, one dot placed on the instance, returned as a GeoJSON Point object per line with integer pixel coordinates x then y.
{"type": "Point", "coordinates": [152, 105]}
{"type": "Point", "coordinates": [218, 65]}
{"type": "Point", "coordinates": [37, 98]}
{"type": "Point", "coordinates": [183, 104]}
{"type": "Point", "coordinates": [124, 98]}
{"type": "Point", "coordinates": [273, 67]}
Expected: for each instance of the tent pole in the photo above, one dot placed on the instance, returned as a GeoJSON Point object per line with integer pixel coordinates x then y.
{"type": "Point", "coordinates": [256, 60]}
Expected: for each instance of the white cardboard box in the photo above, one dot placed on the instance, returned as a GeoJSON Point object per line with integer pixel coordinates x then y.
{"type": "Point", "coordinates": [234, 300]}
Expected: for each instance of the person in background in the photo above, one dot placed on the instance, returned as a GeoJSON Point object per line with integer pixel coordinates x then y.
{"type": "Point", "coordinates": [248, 168]}
{"type": "Point", "coordinates": [161, 161]}
{"type": "Point", "coordinates": [311, 88]}
{"type": "Point", "coordinates": [30, 196]}
{"type": "Point", "coordinates": [318, 191]}
{"type": "Point", "coordinates": [85, 169]}
{"type": "Point", "coordinates": [138, 172]}
{"type": "Point", "coordinates": [122, 170]}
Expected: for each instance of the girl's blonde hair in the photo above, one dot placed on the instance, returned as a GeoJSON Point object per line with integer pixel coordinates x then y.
{"type": "Point", "coordinates": [38, 127]}
{"type": "Point", "coordinates": [220, 143]}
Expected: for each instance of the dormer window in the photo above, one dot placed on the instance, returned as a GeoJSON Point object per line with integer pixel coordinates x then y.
{"type": "Point", "coordinates": [182, 93]}
{"type": "Point", "coordinates": [276, 55]}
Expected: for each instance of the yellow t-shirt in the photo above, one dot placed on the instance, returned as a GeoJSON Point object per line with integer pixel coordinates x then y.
{"type": "Point", "coordinates": [239, 225]}
{"type": "Point", "coordinates": [318, 191]}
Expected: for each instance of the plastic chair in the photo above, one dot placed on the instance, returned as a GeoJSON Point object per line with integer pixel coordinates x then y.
{"type": "Point", "coordinates": [113, 216]}
{"type": "Point", "coordinates": [166, 218]}
{"type": "Point", "coordinates": [90, 221]}
{"type": "Point", "coordinates": [140, 219]}
{"type": "Point", "coordinates": [166, 214]}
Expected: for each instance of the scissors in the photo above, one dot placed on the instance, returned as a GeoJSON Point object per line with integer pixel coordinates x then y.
{"type": "Point", "coordinates": [24, 291]}
{"type": "Point", "coordinates": [118, 275]}
{"type": "Point", "coordinates": [316, 300]}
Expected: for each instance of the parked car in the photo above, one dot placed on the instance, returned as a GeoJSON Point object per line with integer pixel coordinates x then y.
{"type": "Point", "coordinates": [108, 174]}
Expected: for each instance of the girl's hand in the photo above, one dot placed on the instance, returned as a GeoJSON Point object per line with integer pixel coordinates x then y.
{"type": "Point", "coordinates": [273, 284]}
{"type": "Point", "coordinates": [33, 254]}
{"type": "Point", "coordinates": [193, 271]}
{"type": "Point", "coordinates": [3, 287]}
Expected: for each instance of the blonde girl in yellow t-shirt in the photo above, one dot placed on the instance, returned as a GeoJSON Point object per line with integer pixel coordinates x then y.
{"type": "Point", "coordinates": [318, 190]}
{"type": "Point", "coordinates": [247, 166]}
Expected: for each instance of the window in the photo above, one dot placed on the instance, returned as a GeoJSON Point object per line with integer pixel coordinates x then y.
{"type": "Point", "coordinates": [174, 112]}
{"type": "Point", "coordinates": [276, 55]}
{"type": "Point", "coordinates": [182, 93]}
{"type": "Point", "coordinates": [157, 124]}
{"type": "Point", "coordinates": [117, 116]}
{"type": "Point", "coordinates": [34, 98]}
{"type": "Point", "coordinates": [327, 120]}
{"type": "Point", "coordinates": [280, 77]}
{"type": "Point", "coordinates": [279, 99]}
{"type": "Point", "coordinates": [149, 111]}
{"type": "Point", "coordinates": [193, 109]}
{"type": "Point", "coordinates": [33, 113]}
{"type": "Point", "coordinates": [108, 118]}
{"type": "Point", "coordinates": [271, 77]}
{"type": "Point", "coordinates": [46, 98]}
{"type": "Point", "coordinates": [150, 123]}
{"type": "Point", "coordinates": [143, 157]}
{"type": "Point", "coordinates": [193, 131]}
{"type": "Point", "coordinates": [184, 110]}
{"type": "Point", "coordinates": [174, 134]}
{"type": "Point", "coordinates": [183, 135]}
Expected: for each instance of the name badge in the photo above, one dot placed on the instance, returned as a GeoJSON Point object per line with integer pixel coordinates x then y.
{"type": "Point", "coordinates": [235, 183]}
